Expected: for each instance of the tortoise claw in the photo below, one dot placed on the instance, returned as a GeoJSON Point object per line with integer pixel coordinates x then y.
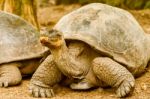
{"type": "Point", "coordinates": [4, 83]}
{"type": "Point", "coordinates": [38, 91]}
{"type": "Point", "coordinates": [125, 88]}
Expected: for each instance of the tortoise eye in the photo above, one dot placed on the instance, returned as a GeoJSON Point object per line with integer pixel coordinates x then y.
{"type": "Point", "coordinates": [55, 35]}
{"type": "Point", "coordinates": [51, 31]}
{"type": "Point", "coordinates": [58, 35]}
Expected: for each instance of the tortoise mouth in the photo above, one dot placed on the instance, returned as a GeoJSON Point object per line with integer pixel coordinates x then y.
{"type": "Point", "coordinates": [51, 43]}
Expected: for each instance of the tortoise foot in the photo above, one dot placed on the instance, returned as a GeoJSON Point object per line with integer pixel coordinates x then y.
{"type": "Point", "coordinates": [4, 83]}
{"type": "Point", "coordinates": [125, 88]}
{"type": "Point", "coordinates": [39, 91]}
{"type": "Point", "coordinates": [9, 75]}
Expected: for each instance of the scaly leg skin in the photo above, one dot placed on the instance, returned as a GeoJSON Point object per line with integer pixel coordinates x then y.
{"type": "Point", "coordinates": [10, 74]}
{"type": "Point", "coordinates": [44, 78]}
{"type": "Point", "coordinates": [114, 74]}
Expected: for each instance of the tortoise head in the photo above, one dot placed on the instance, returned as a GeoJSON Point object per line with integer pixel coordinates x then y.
{"type": "Point", "coordinates": [53, 39]}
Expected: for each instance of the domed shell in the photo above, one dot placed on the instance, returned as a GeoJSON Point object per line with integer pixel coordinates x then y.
{"type": "Point", "coordinates": [111, 31]}
{"type": "Point", "coordinates": [19, 40]}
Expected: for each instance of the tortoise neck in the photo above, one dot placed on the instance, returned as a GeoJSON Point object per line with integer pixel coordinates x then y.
{"type": "Point", "coordinates": [66, 63]}
{"type": "Point", "coordinates": [59, 52]}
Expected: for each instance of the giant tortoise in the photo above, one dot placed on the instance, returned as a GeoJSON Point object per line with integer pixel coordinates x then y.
{"type": "Point", "coordinates": [20, 49]}
{"type": "Point", "coordinates": [95, 45]}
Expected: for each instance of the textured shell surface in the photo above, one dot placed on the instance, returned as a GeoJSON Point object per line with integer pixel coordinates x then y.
{"type": "Point", "coordinates": [109, 30]}
{"type": "Point", "coordinates": [19, 40]}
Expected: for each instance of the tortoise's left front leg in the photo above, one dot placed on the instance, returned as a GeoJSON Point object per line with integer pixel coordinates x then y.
{"type": "Point", "coordinates": [44, 78]}
{"type": "Point", "coordinates": [114, 75]}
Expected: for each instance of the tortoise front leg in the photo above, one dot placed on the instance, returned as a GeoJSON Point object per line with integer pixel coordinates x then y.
{"type": "Point", "coordinates": [44, 78]}
{"type": "Point", "coordinates": [114, 74]}
{"type": "Point", "coordinates": [10, 74]}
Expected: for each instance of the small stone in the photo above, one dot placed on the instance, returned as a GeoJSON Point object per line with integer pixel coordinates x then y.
{"type": "Point", "coordinates": [100, 89]}
{"type": "Point", "coordinates": [144, 87]}
{"type": "Point", "coordinates": [112, 95]}
{"type": "Point", "coordinates": [137, 90]}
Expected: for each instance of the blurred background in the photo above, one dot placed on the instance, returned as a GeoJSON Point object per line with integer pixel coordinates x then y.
{"type": "Point", "coordinates": [132, 4]}
{"type": "Point", "coordinates": [46, 13]}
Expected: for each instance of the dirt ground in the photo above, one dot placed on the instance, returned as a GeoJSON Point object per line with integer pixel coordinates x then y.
{"type": "Point", "coordinates": [48, 17]}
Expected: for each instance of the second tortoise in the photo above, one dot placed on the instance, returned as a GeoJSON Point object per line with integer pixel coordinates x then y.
{"type": "Point", "coordinates": [20, 49]}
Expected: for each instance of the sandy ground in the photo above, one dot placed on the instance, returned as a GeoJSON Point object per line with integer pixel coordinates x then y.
{"type": "Point", "coordinates": [48, 17]}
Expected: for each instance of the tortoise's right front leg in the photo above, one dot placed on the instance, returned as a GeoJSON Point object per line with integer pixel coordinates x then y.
{"type": "Point", "coordinates": [44, 78]}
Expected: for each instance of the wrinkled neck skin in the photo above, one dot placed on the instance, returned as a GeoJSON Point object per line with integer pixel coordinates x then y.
{"type": "Point", "coordinates": [66, 62]}
{"type": "Point", "coordinates": [59, 52]}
